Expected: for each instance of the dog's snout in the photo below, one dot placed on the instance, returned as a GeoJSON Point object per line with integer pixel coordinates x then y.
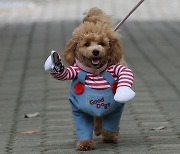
{"type": "Point", "coordinates": [95, 52]}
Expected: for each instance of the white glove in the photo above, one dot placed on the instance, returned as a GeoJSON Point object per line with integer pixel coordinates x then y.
{"type": "Point", "coordinates": [48, 66]}
{"type": "Point", "coordinates": [53, 63]}
{"type": "Point", "coordinates": [124, 94]}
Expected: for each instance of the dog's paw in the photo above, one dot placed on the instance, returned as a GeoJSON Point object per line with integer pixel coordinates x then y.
{"type": "Point", "coordinates": [124, 94]}
{"type": "Point", "coordinates": [85, 145]}
{"type": "Point", "coordinates": [98, 132]}
{"type": "Point", "coordinates": [110, 137]}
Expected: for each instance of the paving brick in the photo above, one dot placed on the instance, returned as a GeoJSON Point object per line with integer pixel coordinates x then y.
{"type": "Point", "coordinates": [55, 151]}
{"type": "Point", "coordinates": [166, 146]}
{"type": "Point", "coordinates": [153, 124]}
{"type": "Point", "coordinates": [160, 139]}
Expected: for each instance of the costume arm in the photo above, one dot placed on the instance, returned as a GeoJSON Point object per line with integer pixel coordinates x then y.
{"type": "Point", "coordinates": [124, 74]}
{"type": "Point", "coordinates": [68, 73]}
{"type": "Point", "coordinates": [124, 93]}
{"type": "Point", "coordinates": [54, 64]}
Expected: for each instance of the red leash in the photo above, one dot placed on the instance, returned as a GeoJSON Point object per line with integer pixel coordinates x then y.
{"type": "Point", "coordinates": [124, 19]}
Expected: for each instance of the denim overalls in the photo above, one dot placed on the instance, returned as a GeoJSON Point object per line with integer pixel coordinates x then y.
{"type": "Point", "coordinates": [87, 103]}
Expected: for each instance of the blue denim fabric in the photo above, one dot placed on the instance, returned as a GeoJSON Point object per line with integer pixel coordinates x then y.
{"type": "Point", "coordinates": [94, 102]}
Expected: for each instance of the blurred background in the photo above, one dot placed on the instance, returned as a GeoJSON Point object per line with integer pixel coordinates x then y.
{"type": "Point", "coordinates": [30, 29]}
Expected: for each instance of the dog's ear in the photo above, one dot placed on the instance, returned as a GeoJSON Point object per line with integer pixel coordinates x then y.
{"type": "Point", "coordinates": [69, 53]}
{"type": "Point", "coordinates": [116, 51]}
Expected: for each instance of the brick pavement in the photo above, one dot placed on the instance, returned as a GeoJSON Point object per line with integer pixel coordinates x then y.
{"type": "Point", "coordinates": [151, 42]}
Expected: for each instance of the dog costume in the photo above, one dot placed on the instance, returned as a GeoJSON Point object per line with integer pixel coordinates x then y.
{"type": "Point", "coordinates": [92, 94]}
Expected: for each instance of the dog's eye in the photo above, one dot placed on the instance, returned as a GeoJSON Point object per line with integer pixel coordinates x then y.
{"type": "Point", "coordinates": [87, 44]}
{"type": "Point", "coordinates": [102, 44]}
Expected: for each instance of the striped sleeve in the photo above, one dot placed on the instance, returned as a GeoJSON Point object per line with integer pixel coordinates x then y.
{"type": "Point", "coordinates": [68, 73]}
{"type": "Point", "coordinates": [124, 74]}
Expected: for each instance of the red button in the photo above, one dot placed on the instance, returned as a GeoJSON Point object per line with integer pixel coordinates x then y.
{"type": "Point", "coordinates": [114, 87]}
{"type": "Point", "coordinates": [79, 88]}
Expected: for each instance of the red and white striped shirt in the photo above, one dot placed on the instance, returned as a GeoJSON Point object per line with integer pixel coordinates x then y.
{"type": "Point", "coordinates": [120, 73]}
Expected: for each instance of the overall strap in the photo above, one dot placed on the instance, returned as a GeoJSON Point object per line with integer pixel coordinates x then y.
{"type": "Point", "coordinates": [82, 76]}
{"type": "Point", "coordinates": [109, 78]}
{"type": "Point", "coordinates": [106, 75]}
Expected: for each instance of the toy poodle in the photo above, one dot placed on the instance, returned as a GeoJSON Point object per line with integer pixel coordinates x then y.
{"type": "Point", "coordinates": [101, 83]}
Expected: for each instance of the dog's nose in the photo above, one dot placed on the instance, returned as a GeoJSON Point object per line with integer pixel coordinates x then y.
{"type": "Point", "coordinates": [95, 52]}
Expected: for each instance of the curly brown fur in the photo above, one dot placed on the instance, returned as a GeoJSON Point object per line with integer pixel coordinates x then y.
{"type": "Point", "coordinates": [97, 126]}
{"type": "Point", "coordinates": [95, 15]}
{"type": "Point", "coordinates": [110, 137]}
{"type": "Point", "coordinates": [85, 145]}
{"type": "Point", "coordinates": [91, 35]}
